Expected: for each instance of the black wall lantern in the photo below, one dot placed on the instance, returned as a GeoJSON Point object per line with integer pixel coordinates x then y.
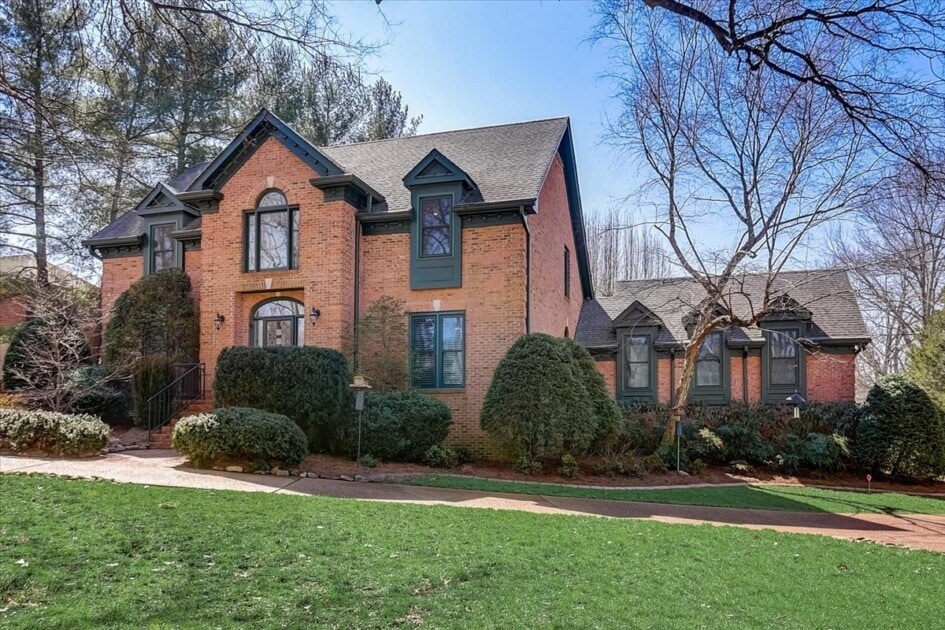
{"type": "Point", "coordinates": [218, 321]}
{"type": "Point", "coordinates": [314, 315]}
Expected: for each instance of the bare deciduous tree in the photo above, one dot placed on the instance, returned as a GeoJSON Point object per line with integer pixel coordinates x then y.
{"type": "Point", "coordinates": [752, 162]}
{"type": "Point", "coordinates": [894, 248]}
{"type": "Point", "coordinates": [892, 91]}
{"type": "Point", "coordinates": [618, 249]}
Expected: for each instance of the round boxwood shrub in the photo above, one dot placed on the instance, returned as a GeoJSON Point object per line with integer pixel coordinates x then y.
{"type": "Point", "coordinates": [902, 432]}
{"type": "Point", "coordinates": [51, 432]}
{"type": "Point", "coordinates": [240, 434]}
{"type": "Point", "coordinates": [399, 426]}
{"type": "Point", "coordinates": [307, 384]}
{"type": "Point", "coordinates": [542, 402]}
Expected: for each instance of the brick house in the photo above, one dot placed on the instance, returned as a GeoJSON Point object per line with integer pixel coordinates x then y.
{"type": "Point", "coordinates": [479, 232]}
{"type": "Point", "coordinates": [808, 346]}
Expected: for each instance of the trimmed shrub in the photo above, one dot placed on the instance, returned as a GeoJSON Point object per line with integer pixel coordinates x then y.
{"type": "Point", "coordinates": [307, 384]}
{"type": "Point", "coordinates": [606, 413]}
{"type": "Point", "coordinates": [902, 431]}
{"type": "Point", "coordinates": [155, 316]}
{"type": "Point", "coordinates": [569, 468]}
{"type": "Point", "coordinates": [640, 428]}
{"type": "Point", "coordinates": [826, 453]}
{"type": "Point", "coordinates": [96, 395]}
{"type": "Point", "coordinates": [439, 456]}
{"type": "Point", "coordinates": [51, 432]}
{"type": "Point", "coordinates": [240, 434]}
{"type": "Point", "coordinates": [543, 402]}
{"type": "Point", "coordinates": [399, 426]}
{"type": "Point", "coordinates": [22, 370]}
{"type": "Point", "coordinates": [151, 375]}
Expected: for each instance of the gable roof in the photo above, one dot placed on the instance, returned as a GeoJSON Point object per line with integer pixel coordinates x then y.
{"type": "Point", "coordinates": [504, 164]}
{"type": "Point", "coordinates": [824, 295]}
{"type": "Point", "coordinates": [507, 162]}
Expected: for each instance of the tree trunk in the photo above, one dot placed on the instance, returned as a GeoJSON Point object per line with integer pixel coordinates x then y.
{"type": "Point", "coordinates": [679, 408]}
{"type": "Point", "coordinates": [39, 172]}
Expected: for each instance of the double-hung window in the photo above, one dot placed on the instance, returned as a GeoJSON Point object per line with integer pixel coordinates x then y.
{"type": "Point", "coordinates": [637, 355]}
{"type": "Point", "coordinates": [162, 247]}
{"type": "Point", "coordinates": [436, 218]}
{"type": "Point", "coordinates": [272, 234]}
{"type": "Point", "coordinates": [437, 350]}
{"type": "Point", "coordinates": [783, 357]}
{"type": "Point", "coordinates": [709, 363]}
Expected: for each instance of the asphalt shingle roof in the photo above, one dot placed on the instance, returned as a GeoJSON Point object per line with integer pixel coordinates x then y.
{"type": "Point", "coordinates": [826, 293]}
{"type": "Point", "coordinates": [507, 163]}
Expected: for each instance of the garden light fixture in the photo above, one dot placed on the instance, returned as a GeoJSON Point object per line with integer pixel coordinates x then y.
{"type": "Point", "coordinates": [360, 385]}
{"type": "Point", "coordinates": [796, 400]}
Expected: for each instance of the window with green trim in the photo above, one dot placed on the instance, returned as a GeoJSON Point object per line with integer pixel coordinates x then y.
{"type": "Point", "coordinates": [709, 363]}
{"type": "Point", "coordinates": [438, 350]}
{"type": "Point", "coordinates": [436, 216]}
{"type": "Point", "coordinates": [163, 254]}
{"type": "Point", "coordinates": [567, 272]}
{"type": "Point", "coordinates": [783, 356]}
{"type": "Point", "coordinates": [637, 354]}
{"type": "Point", "coordinates": [271, 234]}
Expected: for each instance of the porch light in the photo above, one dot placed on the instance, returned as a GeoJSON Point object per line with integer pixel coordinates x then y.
{"type": "Point", "coordinates": [218, 321]}
{"type": "Point", "coordinates": [314, 315]}
{"type": "Point", "coordinates": [796, 400]}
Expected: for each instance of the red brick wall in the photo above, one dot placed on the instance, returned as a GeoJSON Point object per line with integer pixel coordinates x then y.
{"type": "Point", "coordinates": [117, 275]}
{"type": "Point", "coordinates": [831, 377]}
{"type": "Point", "coordinates": [12, 311]}
{"type": "Point", "coordinates": [551, 232]}
{"type": "Point", "coordinates": [325, 278]}
{"type": "Point", "coordinates": [608, 370]}
{"type": "Point", "coordinates": [737, 378]}
{"type": "Point", "coordinates": [492, 296]}
{"type": "Point", "coordinates": [193, 265]}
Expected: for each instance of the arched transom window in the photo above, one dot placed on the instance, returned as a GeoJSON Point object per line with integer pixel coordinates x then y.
{"type": "Point", "coordinates": [278, 322]}
{"type": "Point", "coordinates": [271, 234]}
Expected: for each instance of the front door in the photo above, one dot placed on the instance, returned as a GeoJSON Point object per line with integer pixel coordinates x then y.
{"type": "Point", "coordinates": [278, 332]}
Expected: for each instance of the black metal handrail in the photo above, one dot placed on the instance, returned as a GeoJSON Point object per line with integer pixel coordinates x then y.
{"type": "Point", "coordinates": [189, 384]}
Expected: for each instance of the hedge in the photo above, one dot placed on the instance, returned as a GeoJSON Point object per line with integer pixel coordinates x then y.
{"type": "Point", "coordinates": [544, 401]}
{"type": "Point", "coordinates": [399, 426]}
{"type": "Point", "coordinates": [902, 432]}
{"type": "Point", "coordinates": [155, 316]}
{"type": "Point", "coordinates": [241, 434]}
{"type": "Point", "coordinates": [309, 385]}
{"type": "Point", "coordinates": [51, 432]}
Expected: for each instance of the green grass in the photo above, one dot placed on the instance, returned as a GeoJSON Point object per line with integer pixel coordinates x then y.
{"type": "Point", "coordinates": [791, 499]}
{"type": "Point", "coordinates": [100, 554]}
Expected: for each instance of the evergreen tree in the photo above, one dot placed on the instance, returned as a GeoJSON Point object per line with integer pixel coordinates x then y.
{"type": "Point", "coordinates": [927, 358]}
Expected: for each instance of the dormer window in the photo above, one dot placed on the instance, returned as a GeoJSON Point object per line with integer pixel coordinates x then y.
{"type": "Point", "coordinates": [436, 225]}
{"type": "Point", "coordinates": [163, 248]}
{"type": "Point", "coordinates": [271, 234]}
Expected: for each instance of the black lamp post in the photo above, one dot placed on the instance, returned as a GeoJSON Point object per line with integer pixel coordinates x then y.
{"type": "Point", "coordinates": [360, 386]}
{"type": "Point", "coordinates": [796, 400]}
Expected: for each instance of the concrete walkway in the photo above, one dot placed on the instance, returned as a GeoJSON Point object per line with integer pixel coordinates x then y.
{"type": "Point", "coordinates": [166, 468]}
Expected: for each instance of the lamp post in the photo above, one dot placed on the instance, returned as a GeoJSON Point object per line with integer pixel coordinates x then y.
{"type": "Point", "coordinates": [360, 386]}
{"type": "Point", "coordinates": [796, 400]}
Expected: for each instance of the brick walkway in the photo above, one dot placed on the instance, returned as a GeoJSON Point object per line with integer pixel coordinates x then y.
{"type": "Point", "coordinates": [166, 468]}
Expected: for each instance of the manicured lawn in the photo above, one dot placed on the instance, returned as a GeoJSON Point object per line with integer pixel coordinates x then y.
{"type": "Point", "coordinates": [786, 498]}
{"type": "Point", "coordinates": [81, 553]}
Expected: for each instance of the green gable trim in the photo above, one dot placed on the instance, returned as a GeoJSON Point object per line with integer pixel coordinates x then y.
{"type": "Point", "coordinates": [436, 168]}
{"type": "Point", "coordinates": [203, 201]}
{"type": "Point", "coordinates": [161, 200]}
{"type": "Point", "coordinates": [566, 151]}
{"type": "Point", "coordinates": [385, 222]}
{"type": "Point", "coordinates": [263, 126]}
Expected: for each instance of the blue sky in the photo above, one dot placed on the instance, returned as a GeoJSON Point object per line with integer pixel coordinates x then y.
{"type": "Point", "coordinates": [468, 64]}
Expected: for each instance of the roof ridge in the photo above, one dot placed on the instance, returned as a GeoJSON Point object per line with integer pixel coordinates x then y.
{"type": "Point", "coordinates": [755, 274]}
{"type": "Point", "coordinates": [442, 133]}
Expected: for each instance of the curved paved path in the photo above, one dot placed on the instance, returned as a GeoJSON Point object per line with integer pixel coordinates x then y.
{"type": "Point", "coordinates": [166, 468]}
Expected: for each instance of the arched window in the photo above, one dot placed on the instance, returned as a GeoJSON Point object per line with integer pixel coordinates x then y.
{"type": "Point", "coordinates": [278, 322]}
{"type": "Point", "coordinates": [272, 234]}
